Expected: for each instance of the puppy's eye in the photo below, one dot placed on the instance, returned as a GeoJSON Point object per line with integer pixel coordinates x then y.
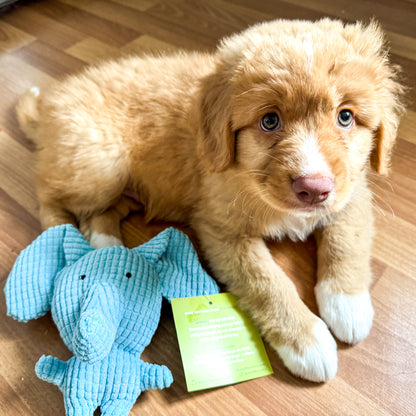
{"type": "Point", "coordinates": [128, 275]}
{"type": "Point", "coordinates": [345, 118]}
{"type": "Point", "coordinates": [270, 122]}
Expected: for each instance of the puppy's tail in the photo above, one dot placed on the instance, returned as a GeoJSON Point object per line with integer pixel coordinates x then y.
{"type": "Point", "coordinates": [28, 112]}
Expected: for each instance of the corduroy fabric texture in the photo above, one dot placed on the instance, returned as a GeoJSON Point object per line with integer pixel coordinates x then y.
{"type": "Point", "coordinates": [106, 304]}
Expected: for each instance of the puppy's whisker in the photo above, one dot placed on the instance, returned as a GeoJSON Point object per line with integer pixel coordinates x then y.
{"type": "Point", "coordinates": [258, 174]}
{"type": "Point", "coordinates": [272, 157]}
{"type": "Point", "coordinates": [264, 107]}
{"type": "Point", "coordinates": [375, 184]}
{"type": "Point", "coordinates": [386, 181]}
{"type": "Point", "coordinates": [256, 89]}
{"type": "Point", "coordinates": [379, 210]}
{"type": "Point", "coordinates": [252, 171]}
{"type": "Point", "coordinates": [232, 204]}
{"type": "Point", "coordinates": [378, 199]}
{"type": "Point", "coordinates": [247, 91]}
{"type": "Point", "coordinates": [379, 202]}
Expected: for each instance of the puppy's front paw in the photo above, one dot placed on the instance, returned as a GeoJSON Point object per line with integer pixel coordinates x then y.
{"type": "Point", "coordinates": [317, 362]}
{"type": "Point", "coordinates": [98, 240]}
{"type": "Point", "coordinates": [350, 317]}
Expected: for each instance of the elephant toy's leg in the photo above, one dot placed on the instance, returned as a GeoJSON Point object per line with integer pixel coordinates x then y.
{"type": "Point", "coordinates": [131, 376]}
{"type": "Point", "coordinates": [78, 406]}
{"type": "Point", "coordinates": [51, 370]}
{"type": "Point", "coordinates": [150, 376]}
{"type": "Point", "coordinates": [117, 407]}
{"type": "Point", "coordinates": [57, 372]}
{"type": "Point", "coordinates": [153, 376]}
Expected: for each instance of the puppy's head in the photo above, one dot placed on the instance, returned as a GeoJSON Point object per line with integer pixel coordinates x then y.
{"type": "Point", "coordinates": [301, 109]}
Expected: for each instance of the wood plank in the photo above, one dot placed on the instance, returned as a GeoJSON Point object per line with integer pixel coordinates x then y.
{"type": "Point", "coordinates": [10, 402]}
{"type": "Point", "coordinates": [403, 159]}
{"type": "Point", "coordinates": [395, 242]}
{"type": "Point", "coordinates": [394, 322]}
{"type": "Point", "coordinates": [149, 45]}
{"type": "Point", "coordinates": [12, 38]}
{"type": "Point", "coordinates": [210, 17]}
{"type": "Point", "coordinates": [18, 228]}
{"type": "Point", "coordinates": [408, 67]}
{"type": "Point", "coordinates": [407, 128]}
{"type": "Point", "coordinates": [395, 16]}
{"type": "Point", "coordinates": [401, 45]}
{"type": "Point", "coordinates": [313, 400]}
{"type": "Point", "coordinates": [23, 345]}
{"type": "Point", "coordinates": [91, 51]}
{"type": "Point", "coordinates": [395, 194]}
{"type": "Point", "coordinates": [141, 5]}
{"type": "Point", "coordinates": [43, 28]}
{"type": "Point", "coordinates": [49, 60]}
{"type": "Point", "coordinates": [105, 30]}
{"type": "Point", "coordinates": [278, 9]}
{"type": "Point", "coordinates": [399, 200]}
{"type": "Point", "coordinates": [148, 22]}
{"type": "Point", "coordinates": [20, 185]}
{"type": "Point", "coordinates": [221, 402]}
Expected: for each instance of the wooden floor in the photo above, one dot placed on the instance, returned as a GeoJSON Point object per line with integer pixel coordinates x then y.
{"type": "Point", "coordinates": [43, 40]}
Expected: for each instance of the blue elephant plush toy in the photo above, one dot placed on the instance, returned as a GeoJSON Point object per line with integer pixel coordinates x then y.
{"type": "Point", "coordinates": [106, 304]}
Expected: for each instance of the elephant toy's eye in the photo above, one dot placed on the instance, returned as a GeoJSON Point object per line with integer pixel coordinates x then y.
{"type": "Point", "coordinates": [82, 277]}
{"type": "Point", "coordinates": [128, 275]}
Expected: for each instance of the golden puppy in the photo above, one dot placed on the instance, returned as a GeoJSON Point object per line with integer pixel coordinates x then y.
{"type": "Point", "coordinates": [272, 135]}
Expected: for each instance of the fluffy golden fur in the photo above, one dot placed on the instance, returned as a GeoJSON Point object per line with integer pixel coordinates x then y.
{"type": "Point", "coordinates": [188, 135]}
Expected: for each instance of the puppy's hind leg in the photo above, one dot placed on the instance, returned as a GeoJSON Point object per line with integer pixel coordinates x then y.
{"type": "Point", "coordinates": [103, 230]}
{"type": "Point", "coordinates": [55, 214]}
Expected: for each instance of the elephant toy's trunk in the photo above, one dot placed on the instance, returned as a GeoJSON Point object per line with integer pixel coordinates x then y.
{"type": "Point", "coordinates": [99, 319]}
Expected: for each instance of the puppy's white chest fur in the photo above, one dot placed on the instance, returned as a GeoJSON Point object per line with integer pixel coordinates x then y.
{"type": "Point", "coordinates": [293, 226]}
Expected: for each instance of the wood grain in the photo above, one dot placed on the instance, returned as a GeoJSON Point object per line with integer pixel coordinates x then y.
{"type": "Point", "coordinates": [44, 40]}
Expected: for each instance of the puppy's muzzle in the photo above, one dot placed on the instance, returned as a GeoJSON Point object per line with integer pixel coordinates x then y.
{"type": "Point", "coordinates": [312, 189]}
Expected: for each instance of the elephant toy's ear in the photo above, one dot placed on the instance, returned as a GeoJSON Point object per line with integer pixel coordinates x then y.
{"type": "Point", "coordinates": [29, 287]}
{"type": "Point", "coordinates": [180, 273]}
{"type": "Point", "coordinates": [154, 249]}
{"type": "Point", "coordinates": [75, 245]}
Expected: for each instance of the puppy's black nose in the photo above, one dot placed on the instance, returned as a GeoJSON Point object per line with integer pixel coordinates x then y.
{"type": "Point", "coordinates": [312, 189]}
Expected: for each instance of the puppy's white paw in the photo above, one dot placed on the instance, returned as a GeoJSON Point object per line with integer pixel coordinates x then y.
{"type": "Point", "coordinates": [99, 240]}
{"type": "Point", "coordinates": [350, 317]}
{"type": "Point", "coordinates": [318, 362]}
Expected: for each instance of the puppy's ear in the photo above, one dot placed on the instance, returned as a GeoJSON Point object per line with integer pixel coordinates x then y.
{"type": "Point", "coordinates": [380, 157]}
{"type": "Point", "coordinates": [216, 144]}
{"type": "Point", "coordinates": [370, 42]}
{"type": "Point", "coordinates": [391, 109]}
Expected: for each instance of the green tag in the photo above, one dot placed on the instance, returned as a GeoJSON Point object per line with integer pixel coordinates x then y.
{"type": "Point", "coordinates": [219, 344]}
